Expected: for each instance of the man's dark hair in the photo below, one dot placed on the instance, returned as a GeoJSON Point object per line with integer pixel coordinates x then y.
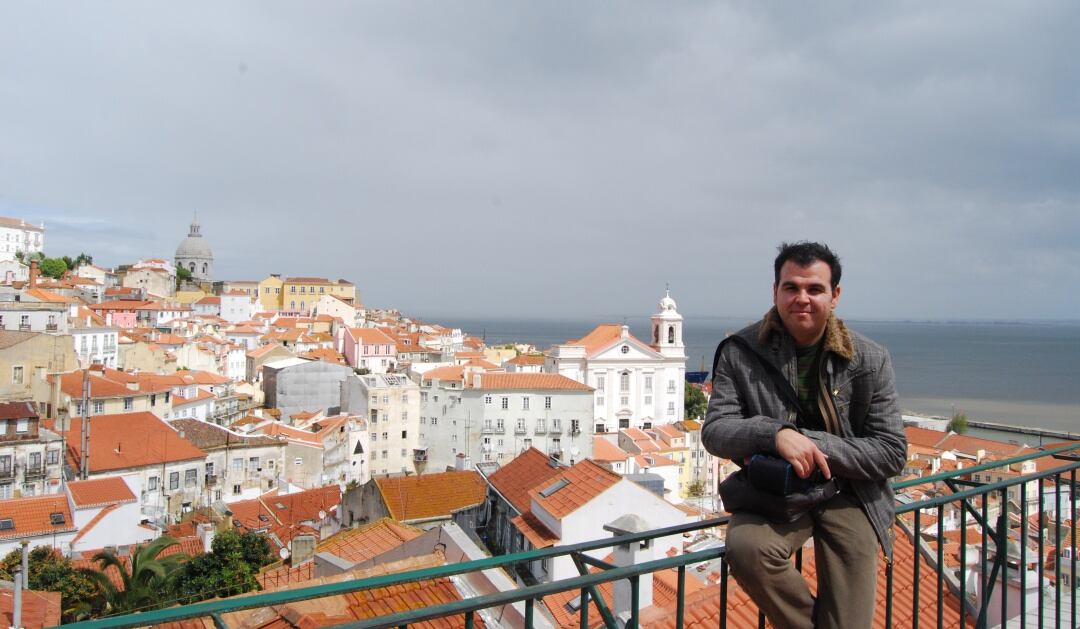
{"type": "Point", "coordinates": [804, 254]}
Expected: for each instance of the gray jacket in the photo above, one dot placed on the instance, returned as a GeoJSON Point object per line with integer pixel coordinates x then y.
{"type": "Point", "coordinates": [860, 400]}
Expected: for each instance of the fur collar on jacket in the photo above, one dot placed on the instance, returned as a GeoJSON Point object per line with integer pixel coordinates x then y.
{"type": "Point", "coordinates": [837, 337]}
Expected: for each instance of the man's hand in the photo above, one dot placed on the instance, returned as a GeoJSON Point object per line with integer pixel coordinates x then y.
{"type": "Point", "coordinates": [801, 452]}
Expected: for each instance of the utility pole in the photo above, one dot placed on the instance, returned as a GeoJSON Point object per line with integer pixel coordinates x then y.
{"type": "Point", "coordinates": [84, 452]}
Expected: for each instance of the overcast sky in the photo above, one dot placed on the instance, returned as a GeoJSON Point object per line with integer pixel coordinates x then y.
{"type": "Point", "coordinates": [562, 159]}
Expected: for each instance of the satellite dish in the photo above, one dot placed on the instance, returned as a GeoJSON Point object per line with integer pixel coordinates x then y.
{"type": "Point", "coordinates": [322, 514]}
{"type": "Point", "coordinates": [283, 553]}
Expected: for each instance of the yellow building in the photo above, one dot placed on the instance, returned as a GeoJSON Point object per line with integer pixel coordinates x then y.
{"type": "Point", "coordinates": [299, 294]}
{"type": "Point", "coordinates": [270, 293]}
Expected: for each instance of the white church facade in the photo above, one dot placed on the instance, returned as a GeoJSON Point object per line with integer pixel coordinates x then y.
{"type": "Point", "coordinates": [637, 384]}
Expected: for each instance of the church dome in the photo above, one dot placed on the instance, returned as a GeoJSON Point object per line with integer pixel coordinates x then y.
{"type": "Point", "coordinates": [194, 246]}
{"type": "Point", "coordinates": [193, 253]}
{"type": "Point", "coordinates": [667, 303]}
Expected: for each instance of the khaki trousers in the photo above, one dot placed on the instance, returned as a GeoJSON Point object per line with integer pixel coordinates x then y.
{"type": "Point", "coordinates": [759, 554]}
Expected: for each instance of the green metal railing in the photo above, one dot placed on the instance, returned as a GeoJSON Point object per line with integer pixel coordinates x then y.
{"type": "Point", "coordinates": [971, 499]}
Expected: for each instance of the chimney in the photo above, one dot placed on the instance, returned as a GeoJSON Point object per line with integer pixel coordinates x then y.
{"type": "Point", "coordinates": [629, 555]}
{"type": "Point", "coordinates": [624, 332]}
{"type": "Point", "coordinates": [16, 612]}
{"type": "Point", "coordinates": [476, 381]}
{"type": "Point", "coordinates": [34, 271]}
{"type": "Point", "coordinates": [206, 534]}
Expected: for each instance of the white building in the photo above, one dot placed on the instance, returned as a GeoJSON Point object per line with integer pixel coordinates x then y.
{"type": "Point", "coordinates": [17, 235]}
{"type": "Point", "coordinates": [493, 417]}
{"type": "Point", "coordinates": [95, 344]}
{"type": "Point", "coordinates": [237, 306]}
{"type": "Point", "coordinates": [637, 384]}
{"type": "Point", "coordinates": [391, 405]}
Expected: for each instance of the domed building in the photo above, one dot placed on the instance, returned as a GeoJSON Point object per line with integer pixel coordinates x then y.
{"type": "Point", "coordinates": [194, 254]}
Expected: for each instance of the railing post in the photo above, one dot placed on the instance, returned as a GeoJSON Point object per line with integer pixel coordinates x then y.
{"type": "Point", "coordinates": [963, 560]}
{"type": "Point", "coordinates": [940, 564]}
{"type": "Point", "coordinates": [915, 570]}
{"type": "Point", "coordinates": [680, 604]}
{"type": "Point", "coordinates": [723, 592]}
{"type": "Point", "coordinates": [584, 613]}
{"type": "Point", "coordinates": [1003, 553]}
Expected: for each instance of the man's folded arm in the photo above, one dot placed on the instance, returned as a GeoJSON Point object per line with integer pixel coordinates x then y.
{"type": "Point", "coordinates": [881, 451]}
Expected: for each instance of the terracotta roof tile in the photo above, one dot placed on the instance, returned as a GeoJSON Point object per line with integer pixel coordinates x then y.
{"type": "Point", "coordinates": [39, 609]}
{"type": "Point", "coordinates": [455, 372]}
{"type": "Point", "coordinates": [584, 481]}
{"type": "Point", "coordinates": [534, 530]}
{"type": "Point", "coordinates": [100, 491]}
{"type": "Point", "coordinates": [129, 440]}
{"type": "Point", "coordinates": [604, 450]}
{"type": "Point", "coordinates": [527, 470]}
{"type": "Point", "coordinates": [370, 336]}
{"type": "Point", "coordinates": [428, 496]}
{"type": "Point", "coordinates": [31, 516]}
{"type": "Point", "coordinates": [526, 381]}
{"type": "Point", "coordinates": [527, 359]}
{"type": "Point", "coordinates": [285, 510]}
{"type": "Point", "coordinates": [361, 544]}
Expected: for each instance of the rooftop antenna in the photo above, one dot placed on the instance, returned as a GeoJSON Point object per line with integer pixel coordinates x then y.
{"type": "Point", "coordinates": [84, 452]}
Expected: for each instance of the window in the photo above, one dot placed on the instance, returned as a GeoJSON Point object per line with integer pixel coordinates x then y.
{"type": "Point", "coordinates": [298, 461]}
{"type": "Point", "coordinates": [624, 400]}
{"type": "Point", "coordinates": [238, 464]}
{"type": "Point", "coordinates": [527, 443]}
{"type": "Point", "coordinates": [487, 399]}
{"type": "Point", "coordinates": [499, 424]}
{"type": "Point", "coordinates": [17, 374]}
{"type": "Point", "coordinates": [671, 408]}
{"type": "Point", "coordinates": [191, 477]}
{"type": "Point", "coordinates": [423, 420]}
{"type": "Point", "coordinates": [547, 402]}
{"type": "Point", "coordinates": [404, 416]}
{"type": "Point", "coordinates": [210, 468]}
{"type": "Point", "coordinates": [270, 463]}
{"type": "Point", "coordinates": [520, 427]}
{"type": "Point", "coordinates": [648, 400]}
{"type": "Point", "coordinates": [600, 429]}
{"type": "Point", "coordinates": [575, 427]}
{"type": "Point", "coordinates": [599, 383]}
{"type": "Point", "coordinates": [236, 490]}
{"type": "Point", "coordinates": [151, 483]}
{"type": "Point", "coordinates": [405, 397]}
{"type": "Point", "coordinates": [404, 434]}
{"type": "Point", "coordinates": [624, 422]}
{"type": "Point", "coordinates": [600, 401]}
{"type": "Point", "coordinates": [385, 454]}
{"type": "Point", "coordinates": [670, 386]}
{"type": "Point", "coordinates": [385, 436]}
{"type": "Point", "coordinates": [541, 425]}
{"type": "Point", "coordinates": [34, 461]}
{"type": "Point", "coordinates": [174, 480]}
{"type": "Point", "coordinates": [52, 457]}
{"type": "Point", "coordinates": [505, 403]}
{"type": "Point", "coordinates": [624, 381]}
{"type": "Point", "coordinates": [22, 425]}
{"type": "Point", "coordinates": [648, 384]}
{"type": "Point", "coordinates": [374, 436]}
{"type": "Point", "coordinates": [292, 289]}
{"type": "Point", "coordinates": [253, 464]}
{"type": "Point", "coordinates": [434, 421]}
{"type": "Point", "coordinates": [129, 403]}
{"type": "Point", "coordinates": [386, 399]}
{"type": "Point", "coordinates": [556, 425]}
{"type": "Point", "coordinates": [556, 445]}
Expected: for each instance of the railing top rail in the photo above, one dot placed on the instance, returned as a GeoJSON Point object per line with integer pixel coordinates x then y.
{"type": "Point", "coordinates": [985, 488]}
{"type": "Point", "coordinates": [224, 606]}
{"type": "Point", "coordinates": [986, 466]}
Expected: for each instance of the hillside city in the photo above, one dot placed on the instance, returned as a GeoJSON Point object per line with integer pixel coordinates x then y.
{"type": "Point", "coordinates": [275, 433]}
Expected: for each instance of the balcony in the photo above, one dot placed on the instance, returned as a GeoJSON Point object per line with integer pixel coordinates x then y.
{"type": "Point", "coordinates": [51, 327]}
{"type": "Point", "coordinates": [520, 430]}
{"type": "Point", "coordinates": [420, 455]}
{"type": "Point", "coordinates": [211, 480]}
{"type": "Point", "coordinates": [36, 472]}
{"type": "Point", "coordinates": [919, 587]}
{"type": "Point", "coordinates": [25, 327]}
{"type": "Point", "coordinates": [7, 473]}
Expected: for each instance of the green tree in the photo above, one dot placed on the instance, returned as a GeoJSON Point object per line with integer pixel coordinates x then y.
{"type": "Point", "coordinates": [695, 489]}
{"type": "Point", "coordinates": [959, 422]}
{"type": "Point", "coordinates": [50, 571]}
{"type": "Point", "coordinates": [694, 401]}
{"type": "Point", "coordinates": [182, 275]}
{"type": "Point", "coordinates": [229, 568]}
{"type": "Point", "coordinates": [144, 578]}
{"type": "Point", "coordinates": [83, 258]}
{"type": "Point", "coordinates": [53, 267]}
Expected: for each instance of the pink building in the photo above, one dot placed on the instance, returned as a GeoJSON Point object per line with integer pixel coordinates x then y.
{"type": "Point", "coordinates": [367, 348]}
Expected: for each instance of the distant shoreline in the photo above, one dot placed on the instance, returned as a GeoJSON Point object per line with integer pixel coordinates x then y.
{"type": "Point", "coordinates": [1064, 417]}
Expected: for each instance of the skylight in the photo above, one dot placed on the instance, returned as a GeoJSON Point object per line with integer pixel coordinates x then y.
{"type": "Point", "coordinates": [56, 518]}
{"type": "Point", "coordinates": [554, 487]}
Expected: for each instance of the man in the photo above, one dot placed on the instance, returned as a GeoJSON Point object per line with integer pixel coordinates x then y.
{"type": "Point", "coordinates": [847, 426]}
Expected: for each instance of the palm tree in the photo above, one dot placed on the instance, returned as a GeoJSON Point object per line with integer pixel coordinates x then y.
{"type": "Point", "coordinates": [145, 577]}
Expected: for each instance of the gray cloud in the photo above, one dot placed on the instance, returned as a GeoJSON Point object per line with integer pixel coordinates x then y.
{"type": "Point", "coordinates": [558, 159]}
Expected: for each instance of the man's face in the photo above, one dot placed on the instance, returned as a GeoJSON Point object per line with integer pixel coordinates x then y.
{"type": "Point", "coordinates": [804, 298]}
